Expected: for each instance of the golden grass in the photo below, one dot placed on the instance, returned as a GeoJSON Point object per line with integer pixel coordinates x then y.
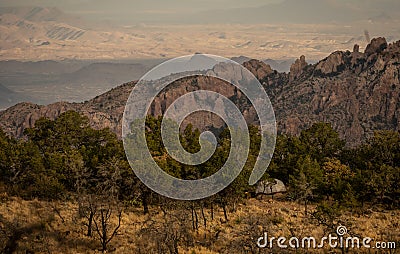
{"type": "Point", "coordinates": [63, 232]}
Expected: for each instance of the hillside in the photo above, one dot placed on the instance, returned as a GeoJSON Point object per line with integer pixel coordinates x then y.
{"type": "Point", "coordinates": [8, 97]}
{"type": "Point", "coordinates": [63, 232]}
{"type": "Point", "coordinates": [357, 92]}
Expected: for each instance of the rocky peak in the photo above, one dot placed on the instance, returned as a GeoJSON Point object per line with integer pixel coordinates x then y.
{"type": "Point", "coordinates": [377, 45]}
{"type": "Point", "coordinates": [332, 64]}
{"type": "Point", "coordinates": [297, 68]}
{"type": "Point", "coordinates": [394, 48]}
{"type": "Point", "coordinates": [356, 48]}
{"type": "Point", "coordinates": [259, 69]}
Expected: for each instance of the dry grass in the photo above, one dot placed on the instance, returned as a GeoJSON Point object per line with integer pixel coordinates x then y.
{"type": "Point", "coordinates": [60, 230]}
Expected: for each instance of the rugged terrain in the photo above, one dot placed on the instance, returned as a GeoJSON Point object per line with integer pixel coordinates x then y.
{"type": "Point", "coordinates": [357, 92]}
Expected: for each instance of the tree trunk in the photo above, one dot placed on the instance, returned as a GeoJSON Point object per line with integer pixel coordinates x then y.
{"type": "Point", "coordinates": [305, 207]}
{"type": "Point", "coordinates": [192, 210]}
{"type": "Point", "coordinates": [145, 201]}
{"type": "Point", "coordinates": [90, 223]}
{"type": "Point", "coordinates": [225, 213]}
{"type": "Point", "coordinates": [104, 236]}
{"type": "Point", "coordinates": [204, 216]}
{"type": "Point", "coordinates": [212, 211]}
{"type": "Point", "coordinates": [176, 247]}
{"type": "Point", "coordinates": [196, 218]}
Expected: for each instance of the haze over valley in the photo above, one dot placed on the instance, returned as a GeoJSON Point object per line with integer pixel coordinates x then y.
{"type": "Point", "coordinates": [73, 51]}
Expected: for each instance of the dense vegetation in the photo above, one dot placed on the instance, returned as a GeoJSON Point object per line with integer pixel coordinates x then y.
{"type": "Point", "coordinates": [66, 159]}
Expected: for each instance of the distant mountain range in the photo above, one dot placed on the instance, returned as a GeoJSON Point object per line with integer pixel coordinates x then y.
{"type": "Point", "coordinates": [279, 65]}
{"type": "Point", "coordinates": [284, 11]}
{"type": "Point", "coordinates": [308, 11]}
{"type": "Point", "coordinates": [9, 97]}
{"type": "Point", "coordinates": [275, 31]}
{"type": "Point", "coordinates": [357, 92]}
{"type": "Point", "coordinates": [45, 82]}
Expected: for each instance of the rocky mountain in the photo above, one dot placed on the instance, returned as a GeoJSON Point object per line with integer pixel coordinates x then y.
{"type": "Point", "coordinates": [357, 92]}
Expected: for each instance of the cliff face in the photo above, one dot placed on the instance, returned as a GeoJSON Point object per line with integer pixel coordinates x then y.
{"type": "Point", "coordinates": [356, 92]}
{"type": "Point", "coordinates": [103, 111]}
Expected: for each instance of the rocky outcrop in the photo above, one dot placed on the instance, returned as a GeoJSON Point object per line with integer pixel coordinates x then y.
{"type": "Point", "coordinates": [356, 48]}
{"type": "Point", "coordinates": [297, 68]}
{"type": "Point", "coordinates": [104, 111]}
{"type": "Point", "coordinates": [259, 69]}
{"type": "Point", "coordinates": [333, 64]}
{"type": "Point", "coordinates": [377, 45]}
{"type": "Point", "coordinates": [356, 92]}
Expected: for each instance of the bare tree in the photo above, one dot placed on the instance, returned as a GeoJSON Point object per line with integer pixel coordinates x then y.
{"type": "Point", "coordinates": [104, 226]}
{"type": "Point", "coordinates": [167, 235]}
{"type": "Point", "coordinates": [87, 209]}
{"type": "Point", "coordinates": [87, 206]}
{"type": "Point", "coordinates": [107, 202]}
{"type": "Point", "coordinates": [98, 199]}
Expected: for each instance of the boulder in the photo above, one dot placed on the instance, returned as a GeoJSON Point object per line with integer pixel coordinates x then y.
{"type": "Point", "coordinates": [270, 187]}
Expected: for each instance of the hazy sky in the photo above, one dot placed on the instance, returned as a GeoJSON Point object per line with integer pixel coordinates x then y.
{"type": "Point", "coordinates": [140, 4]}
{"type": "Point", "coordinates": [225, 11]}
{"type": "Point", "coordinates": [108, 7]}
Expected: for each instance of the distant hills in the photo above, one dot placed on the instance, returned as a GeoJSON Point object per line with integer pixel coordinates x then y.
{"type": "Point", "coordinates": [284, 11]}
{"type": "Point", "coordinates": [46, 82]}
{"type": "Point", "coordinates": [49, 81]}
{"type": "Point", "coordinates": [279, 65]}
{"type": "Point", "coordinates": [357, 92]}
{"type": "Point", "coordinates": [310, 12]}
{"type": "Point", "coordinates": [275, 31]}
{"type": "Point", "coordinates": [40, 14]}
{"type": "Point", "coordinates": [9, 97]}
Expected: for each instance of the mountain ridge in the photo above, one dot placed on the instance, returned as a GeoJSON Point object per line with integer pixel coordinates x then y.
{"type": "Point", "coordinates": [357, 92]}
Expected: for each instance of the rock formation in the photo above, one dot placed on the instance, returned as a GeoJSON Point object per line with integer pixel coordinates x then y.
{"type": "Point", "coordinates": [297, 68]}
{"type": "Point", "coordinates": [332, 64]}
{"type": "Point", "coordinates": [356, 48]}
{"type": "Point", "coordinates": [259, 69]}
{"type": "Point", "coordinates": [356, 92]}
{"type": "Point", "coordinates": [377, 45]}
